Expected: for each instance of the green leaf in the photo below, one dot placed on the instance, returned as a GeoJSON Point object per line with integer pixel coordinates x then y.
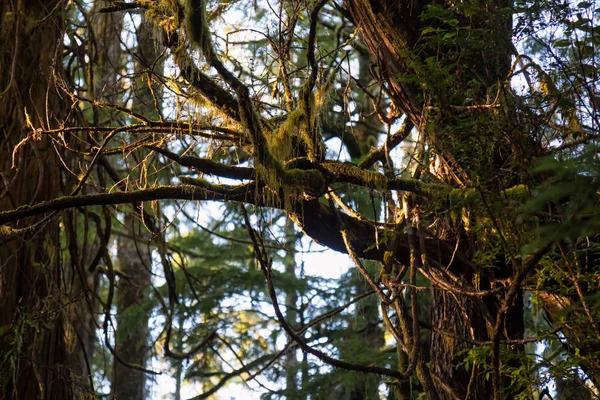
{"type": "Point", "coordinates": [587, 51]}
{"type": "Point", "coordinates": [562, 43]}
{"type": "Point", "coordinates": [427, 30]}
{"type": "Point", "coordinates": [449, 35]}
{"type": "Point", "coordinates": [589, 70]}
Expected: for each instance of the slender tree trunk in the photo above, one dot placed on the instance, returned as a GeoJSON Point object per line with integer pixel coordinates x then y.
{"type": "Point", "coordinates": [132, 319]}
{"type": "Point", "coordinates": [179, 372]}
{"type": "Point", "coordinates": [370, 337]}
{"type": "Point", "coordinates": [291, 303]}
{"type": "Point", "coordinates": [37, 336]}
{"type": "Point", "coordinates": [135, 261]}
{"type": "Point", "coordinates": [102, 77]}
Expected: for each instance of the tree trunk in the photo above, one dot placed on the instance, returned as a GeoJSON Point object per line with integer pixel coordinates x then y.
{"type": "Point", "coordinates": [135, 261]}
{"type": "Point", "coordinates": [365, 326]}
{"type": "Point", "coordinates": [393, 31]}
{"type": "Point", "coordinates": [131, 335]}
{"type": "Point", "coordinates": [291, 304]}
{"type": "Point", "coordinates": [37, 337]}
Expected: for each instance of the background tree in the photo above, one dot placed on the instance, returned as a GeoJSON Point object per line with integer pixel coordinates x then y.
{"type": "Point", "coordinates": [134, 251]}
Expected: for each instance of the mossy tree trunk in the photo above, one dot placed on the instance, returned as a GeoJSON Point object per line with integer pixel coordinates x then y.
{"type": "Point", "coordinates": [457, 136]}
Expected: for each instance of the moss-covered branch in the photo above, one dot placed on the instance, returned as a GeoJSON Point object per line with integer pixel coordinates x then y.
{"type": "Point", "coordinates": [241, 193]}
{"type": "Point", "coordinates": [352, 173]}
{"type": "Point", "coordinates": [199, 34]}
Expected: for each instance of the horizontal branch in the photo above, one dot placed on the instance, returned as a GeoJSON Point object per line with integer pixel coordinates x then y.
{"type": "Point", "coordinates": [314, 218]}
{"type": "Point", "coordinates": [241, 193]}
{"type": "Point", "coordinates": [227, 376]}
{"type": "Point", "coordinates": [123, 6]}
{"type": "Point", "coordinates": [347, 172]}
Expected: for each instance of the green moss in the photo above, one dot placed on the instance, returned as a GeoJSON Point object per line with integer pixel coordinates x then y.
{"type": "Point", "coordinates": [308, 180]}
{"type": "Point", "coordinates": [518, 192]}
{"type": "Point", "coordinates": [354, 174]}
{"type": "Point", "coordinates": [193, 181]}
{"type": "Point", "coordinates": [463, 196]}
{"type": "Point", "coordinates": [197, 27]}
{"type": "Point", "coordinates": [295, 119]}
{"type": "Point", "coordinates": [280, 144]}
{"type": "Point", "coordinates": [471, 197]}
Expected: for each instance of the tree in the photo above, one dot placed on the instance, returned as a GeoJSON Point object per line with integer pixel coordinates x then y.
{"type": "Point", "coordinates": [135, 261]}
{"type": "Point", "coordinates": [487, 220]}
{"type": "Point", "coordinates": [37, 339]}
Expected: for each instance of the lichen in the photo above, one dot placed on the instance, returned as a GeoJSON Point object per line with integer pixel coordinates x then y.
{"type": "Point", "coordinates": [163, 13]}
{"type": "Point", "coordinates": [6, 231]}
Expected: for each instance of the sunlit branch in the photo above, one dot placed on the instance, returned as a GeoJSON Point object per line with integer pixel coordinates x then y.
{"type": "Point", "coordinates": [208, 166]}
{"type": "Point", "coordinates": [242, 193]}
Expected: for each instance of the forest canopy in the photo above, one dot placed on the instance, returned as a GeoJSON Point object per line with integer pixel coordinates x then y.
{"type": "Point", "coordinates": [176, 176]}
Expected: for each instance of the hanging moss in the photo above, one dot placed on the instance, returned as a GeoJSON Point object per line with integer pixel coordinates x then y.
{"type": "Point", "coordinates": [286, 142]}
{"type": "Point", "coordinates": [163, 13]}
{"type": "Point", "coordinates": [296, 137]}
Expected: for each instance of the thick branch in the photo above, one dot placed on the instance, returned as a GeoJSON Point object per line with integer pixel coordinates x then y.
{"type": "Point", "coordinates": [242, 193]}
{"type": "Point", "coordinates": [313, 217]}
{"type": "Point", "coordinates": [123, 6]}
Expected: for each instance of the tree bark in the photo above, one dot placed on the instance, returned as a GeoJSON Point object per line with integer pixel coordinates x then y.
{"type": "Point", "coordinates": [393, 31]}
{"type": "Point", "coordinates": [36, 356]}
